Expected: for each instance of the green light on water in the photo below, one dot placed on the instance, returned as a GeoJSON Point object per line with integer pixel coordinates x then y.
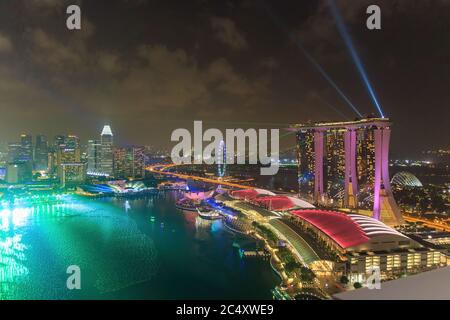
{"type": "Point", "coordinates": [12, 267]}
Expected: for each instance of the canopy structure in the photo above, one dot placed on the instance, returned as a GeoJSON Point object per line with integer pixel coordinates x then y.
{"type": "Point", "coordinates": [336, 225]}
{"type": "Point", "coordinates": [248, 194]}
{"type": "Point", "coordinates": [281, 203]}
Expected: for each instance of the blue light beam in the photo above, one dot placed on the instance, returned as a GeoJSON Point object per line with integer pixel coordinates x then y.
{"type": "Point", "coordinates": [357, 61]}
{"type": "Point", "coordinates": [312, 61]}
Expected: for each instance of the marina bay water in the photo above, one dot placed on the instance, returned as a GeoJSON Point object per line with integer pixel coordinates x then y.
{"type": "Point", "coordinates": [126, 249]}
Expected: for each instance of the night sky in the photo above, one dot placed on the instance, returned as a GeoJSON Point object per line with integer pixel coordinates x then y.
{"type": "Point", "coordinates": [149, 67]}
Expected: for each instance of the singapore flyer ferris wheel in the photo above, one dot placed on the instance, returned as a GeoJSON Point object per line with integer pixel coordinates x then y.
{"type": "Point", "coordinates": [221, 159]}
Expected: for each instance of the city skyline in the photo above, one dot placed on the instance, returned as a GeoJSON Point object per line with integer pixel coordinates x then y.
{"type": "Point", "coordinates": [224, 150]}
{"type": "Point", "coordinates": [55, 139]}
{"type": "Point", "coordinates": [220, 68]}
{"type": "Point", "coordinates": [67, 160]}
{"type": "Point", "coordinates": [426, 156]}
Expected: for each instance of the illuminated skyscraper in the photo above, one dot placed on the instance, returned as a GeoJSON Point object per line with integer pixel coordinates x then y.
{"type": "Point", "coordinates": [120, 162]}
{"type": "Point", "coordinates": [71, 174]}
{"type": "Point", "coordinates": [106, 153]}
{"type": "Point", "coordinates": [68, 159]}
{"type": "Point", "coordinates": [14, 152]}
{"type": "Point", "coordinates": [26, 142]}
{"type": "Point", "coordinates": [129, 162]}
{"type": "Point", "coordinates": [93, 156]}
{"type": "Point", "coordinates": [59, 142]}
{"type": "Point", "coordinates": [20, 165]}
{"type": "Point", "coordinates": [73, 145]}
{"type": "Point", "coordinates": [66, 155]}
{"type": "Point", "coordinates": [69, 151]}
{"type": "Point", "coordinates": [305, 156]}
{"type": "Point", "coordinates": [72, 142]}
{"type": "Point", "coordinates": [55, 157]}
{"type": "Point", "coordinates": [365, 161]}
{"type": "Point", "coordinates": [52, 160]}
{"type": "Point", "coordinates": [334, 165]}
{"type": "Point", "coordinates": [350, 158]}
{"type": "Point", "coordinates": [41, 153]}
{"type": "Point", "coordinates": [138, 170]}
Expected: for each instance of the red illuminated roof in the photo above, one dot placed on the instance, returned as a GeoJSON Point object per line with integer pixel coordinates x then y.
{"type": "Point", "coordinates": [249, 194]}
{"type": "Point", "coordinates": [338, 226]}
{"type": "Point", "coordinates": [276, 203]}
{"type": "Point", "coordinates": [244, 194]}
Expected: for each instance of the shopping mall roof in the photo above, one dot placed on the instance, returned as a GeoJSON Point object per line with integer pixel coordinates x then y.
{"type": "Point", "coordinates": [373, 227]}
{"type": "Point", "coordinates": [350, 230]}
{"type": "Point", "coordinates": [338, 226]}
{"type": "Point", "coordinates": [282, 203]}
{"type": "Point", "coordinates": [248, 194]}
{"type": "Point", "coordinates": [270, 200]}
{"type": "Point", "coordinates": [430, 285]}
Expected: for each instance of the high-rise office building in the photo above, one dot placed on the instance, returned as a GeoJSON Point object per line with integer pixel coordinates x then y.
{"type": "Point", "coordinates": [41, 153]}
{"type": "Point", "coordinates": [71, 174]}
{"type": "Point", "coordinates": [106, 153]}
{"type": "Point", "coordinates": [93, 156]}
{"type": "Point", "coordinates": [305, 156]}
{"type": "Point", "coordinates": [334, 165]}
{"type": "Point", "coordinates": [66, 155]}
{"type": "Point", "coordinates": [14, 152]}
{"type": "Point", "coordinates": [120, 163]}
{"type": "Point", "coordinates": [19, 162]}
{"type": "Point", "coordinates": [68, 166]}
{"type": "Point", "coordinates": [26, 142]}
{"type": "Point", "coordinates": [365, 158]}
{"type": "Point", "coordinates": [68, 150]}
{"type": "Point", "coordinates": [138, 153]}
{"type": "Point", "coordinates": [52, 160]}
{"type": "Point", "coordinates": [129, 162]}
{"type": "Point", "coordinates": [73, 144]}
{"type": "Point", "coordinates": [59, 142]}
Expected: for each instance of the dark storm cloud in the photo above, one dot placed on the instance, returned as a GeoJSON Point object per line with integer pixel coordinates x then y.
{"type": "Point", "coordinates": [148, 67]}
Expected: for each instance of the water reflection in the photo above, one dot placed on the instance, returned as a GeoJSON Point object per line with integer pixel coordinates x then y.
{"type": "Point", "coordinates": [205, 229]}
{"type": "Point", "coordinates": [154, 251]}
{"type": "Point", "coordinates": [12, 249]}
{"type": "Point", "coordinates": [37, 243]}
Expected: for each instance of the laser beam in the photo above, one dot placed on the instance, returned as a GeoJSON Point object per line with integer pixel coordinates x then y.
{"type": "Point", "coordinates": [355, 57]}
{"type": "Point", "coordinates": [332, 107]}
{"type": "Point", "coordinates": [312, 60]}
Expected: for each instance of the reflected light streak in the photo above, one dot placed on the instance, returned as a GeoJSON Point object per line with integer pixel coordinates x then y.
{"type": "Point", "coordinates": [13, 218]}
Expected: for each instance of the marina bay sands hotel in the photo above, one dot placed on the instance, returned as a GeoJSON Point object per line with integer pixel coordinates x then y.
{"type": "Point", "coordinates": [346, 165]}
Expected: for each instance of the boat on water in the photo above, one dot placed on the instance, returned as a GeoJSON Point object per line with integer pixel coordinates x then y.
{"type": "Point", "coordinates": [209, 214]}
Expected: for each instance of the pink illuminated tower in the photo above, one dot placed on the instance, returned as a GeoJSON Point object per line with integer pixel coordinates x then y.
{"type": "Point", "coordinates": [365, 166]}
